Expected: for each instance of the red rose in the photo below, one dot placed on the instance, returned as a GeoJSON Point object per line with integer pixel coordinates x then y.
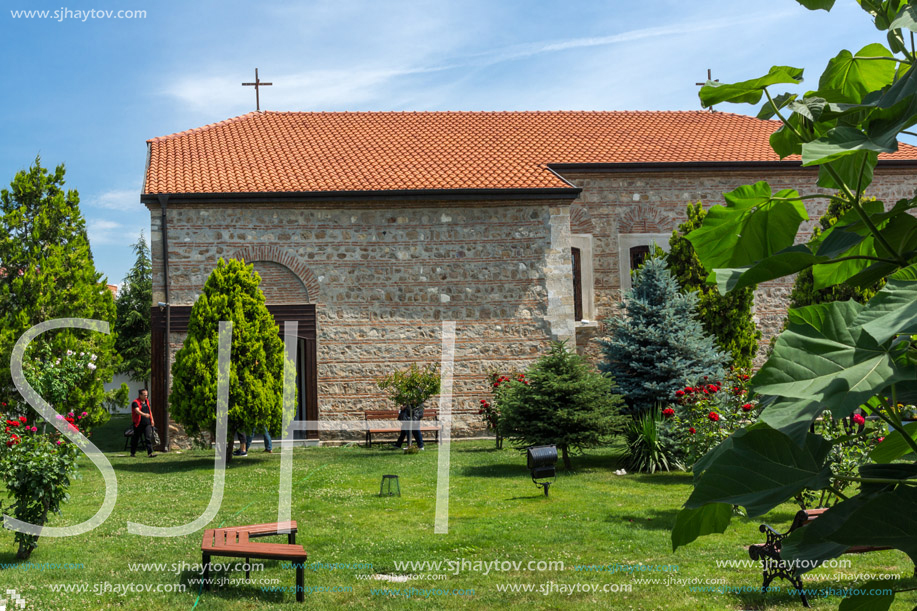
{"type": "Point", "coordinates": [747, 407]}
{"type": "Point", "coordinates": [23, 419]}
{"type": "Point", "coordinates": [13, 423]}
{"type": "Point", "coordinates": [526, 382]}
{"type": "Point", "coordinates": [688, 389]}
{"type": "Point", "coordinates": [858, 419]}
{"type": "Point", "coordinates": [705, 377]}
{"type": "Point", "coordinates": [714, 416]}
{"type": "Point", "coordinates": [679, 393]}
{"type": "Point", "coordinates": [881, 439]}
{"type": "Point", "coordinates": [668, 412]}
{"type": "Point", "coordinates": [691, 430]}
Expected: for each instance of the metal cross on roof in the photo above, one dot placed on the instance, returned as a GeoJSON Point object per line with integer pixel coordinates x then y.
{"type": "Point", "coordinates": [258, 83]}
{"type": "Point", "coordinates": [709, 77]}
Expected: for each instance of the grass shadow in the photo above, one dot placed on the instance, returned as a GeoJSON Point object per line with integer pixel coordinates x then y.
{"type": "Point", "coordinates": [9, 558]}
{"type": "Point", "coordinates": [658, 520]}
{"type": "Point", "coordinates": [507, 470]}
{"type": "Point", "coordinates": [665, 478]}
{"type": "Point", "coordinates": [152, 465]}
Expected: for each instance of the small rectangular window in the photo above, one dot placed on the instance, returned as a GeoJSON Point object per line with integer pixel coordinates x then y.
{"type": "Point", "coordinates": [638, 255]}
{"type": "Point", "coordinates": [577, 285]}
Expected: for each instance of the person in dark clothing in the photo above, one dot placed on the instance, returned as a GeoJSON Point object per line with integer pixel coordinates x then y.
{"type": "Point", "coordinates": [410, 417]}
{"type": "Point", "coordinates": [142, 417]}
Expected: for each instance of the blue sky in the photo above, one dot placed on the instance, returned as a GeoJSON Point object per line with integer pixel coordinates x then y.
{"type": "Point", "coordinates": [89, 93]}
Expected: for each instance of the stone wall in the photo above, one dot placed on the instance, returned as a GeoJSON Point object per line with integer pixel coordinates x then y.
{"type": "Point", "coordinates": [383, 279]}
{"type": "Point", "coordinates": [618, 203]}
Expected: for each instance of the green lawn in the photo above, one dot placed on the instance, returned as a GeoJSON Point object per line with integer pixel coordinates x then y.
{"type": "Point", "coordinates": [593, 517]}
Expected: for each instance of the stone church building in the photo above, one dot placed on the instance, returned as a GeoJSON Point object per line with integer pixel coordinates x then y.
{"type": "Point", "coordinates": [370, 229]}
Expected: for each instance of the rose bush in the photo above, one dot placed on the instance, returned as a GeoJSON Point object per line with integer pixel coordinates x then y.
{"type": "Point", "coordinates": [490, 410]}
{"type": "Point", "coordinates": [36, 468]}
{"type": "Point", "coordinates": [707, 413]}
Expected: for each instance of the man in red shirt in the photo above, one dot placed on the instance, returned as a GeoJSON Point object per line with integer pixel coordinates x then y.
{"type": "Point", "coordinates": [142, 417]}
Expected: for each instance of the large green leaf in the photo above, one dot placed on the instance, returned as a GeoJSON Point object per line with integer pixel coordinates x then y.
{"type": "Point", "coordinates": [752, 226]}
{"type": "Point", "coordinates": [847, 232]}
{"type": "Point", "coordinates": [867, 600]}
{"type": "Point", "coordinates": [768, 110]}
{"type": "Point", "coordinates": [855, 171]}
{"type": "Point", "coordinates": [822, 356]}
{"type": "Point", "coordinates": [906, 19]}
{"type": "Point", "coordinates": [850, 78]}
{"type": "Point", "coordinates": [850, 237]}
{"type": "Point", "coordinates": [704, 520]}
{"type": "Point", "coordinates": [814, 5]}
{"type": "Point", "coordinates": [841, 141]}
{"type": "Point", "coordinates": [893, 310]}
{"type": "Point", "coordinates": [792, 417]}
{"type": "Point", "coordinates": [784, 263]}
{"type": "Point", "coordinates": [810, 546]}
{"type": "Point", "coordinates": [883, 519]}
{"type": "Point", "coordinates": [747, 92]}
{"type": "Point", "coordinates": [760, 468]}
{"type": "Point", "coordinates": [894, 445]}
{"type": "Point", "coordinates": [809, 107]}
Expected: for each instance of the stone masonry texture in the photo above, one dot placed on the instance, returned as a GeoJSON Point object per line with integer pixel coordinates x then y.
{"type": "Point", "coordinates": [384, 275]}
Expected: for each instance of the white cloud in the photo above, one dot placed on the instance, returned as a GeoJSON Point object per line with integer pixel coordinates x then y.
{"type": "Point", "coordinates": [103, 231]}
{"type": "Point", "coordinates": [381, 81]}
{"type": "Point", "coordinates": [117, 199]}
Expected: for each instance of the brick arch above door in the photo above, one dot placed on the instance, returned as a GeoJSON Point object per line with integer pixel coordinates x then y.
{"type": "Point", "coordinates": [280, 262]}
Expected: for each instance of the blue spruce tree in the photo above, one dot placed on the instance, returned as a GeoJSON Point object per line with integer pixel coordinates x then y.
{"type": "Point", "coordinates": [658, 346]}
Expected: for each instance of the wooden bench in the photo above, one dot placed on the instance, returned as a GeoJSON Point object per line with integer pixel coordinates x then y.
{"type": "Point", "coordinates": [390, 414]}
{"type": "Point", "coordinates": [234, 542]}
{"type": "Point", "coordinates": [774, 566]}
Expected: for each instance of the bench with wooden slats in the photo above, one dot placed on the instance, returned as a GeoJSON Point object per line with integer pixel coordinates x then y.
{"type": "Point", "coordinates": [269, 530]}
{"type": "Point", "coordinates": [235, 542]}
{"type": "Point", "coordinates": [389, 414]}
{"type": "Point", "coordinates": [774, 566]}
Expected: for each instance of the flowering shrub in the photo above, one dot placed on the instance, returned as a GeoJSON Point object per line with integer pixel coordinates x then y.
{"type": "Point", "coordinates": [851, 445]}
{"type": "Point", "coordinates": [36, 468]}
{"type": "Point", "coordinates": [707, 413]}
{"type": "Point", "coordinates": [55, 378]}
{"type": "Point", "coordinates": [490, 411]}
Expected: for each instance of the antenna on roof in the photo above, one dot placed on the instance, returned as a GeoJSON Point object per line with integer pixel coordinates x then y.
{"type": "Point", "coordinates": [257, 84]}
{"type": "Point", "coordinates": [709, 78]}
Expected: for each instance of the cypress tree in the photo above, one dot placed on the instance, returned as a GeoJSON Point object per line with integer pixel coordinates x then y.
{"type": "Point", "coordinates": [47, 272]}
{"type": "Point", "coordinates": [132, 325]}
{"type": "Point", "coordinates": [231, 293]}
{"type": "Point", "coordinates": [727, 317]}
{"type": "Point", "coordinates": [658, 346]}
{"type": "Point", "coordinates": [561, 400]}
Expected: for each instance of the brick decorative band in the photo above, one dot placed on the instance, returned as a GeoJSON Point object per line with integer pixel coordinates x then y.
{"type": "Point", "coordinates": [276, 254]}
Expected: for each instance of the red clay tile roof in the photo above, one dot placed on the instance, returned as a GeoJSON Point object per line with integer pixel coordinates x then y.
{"type": "Point", "coordinates": [384, 151]}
